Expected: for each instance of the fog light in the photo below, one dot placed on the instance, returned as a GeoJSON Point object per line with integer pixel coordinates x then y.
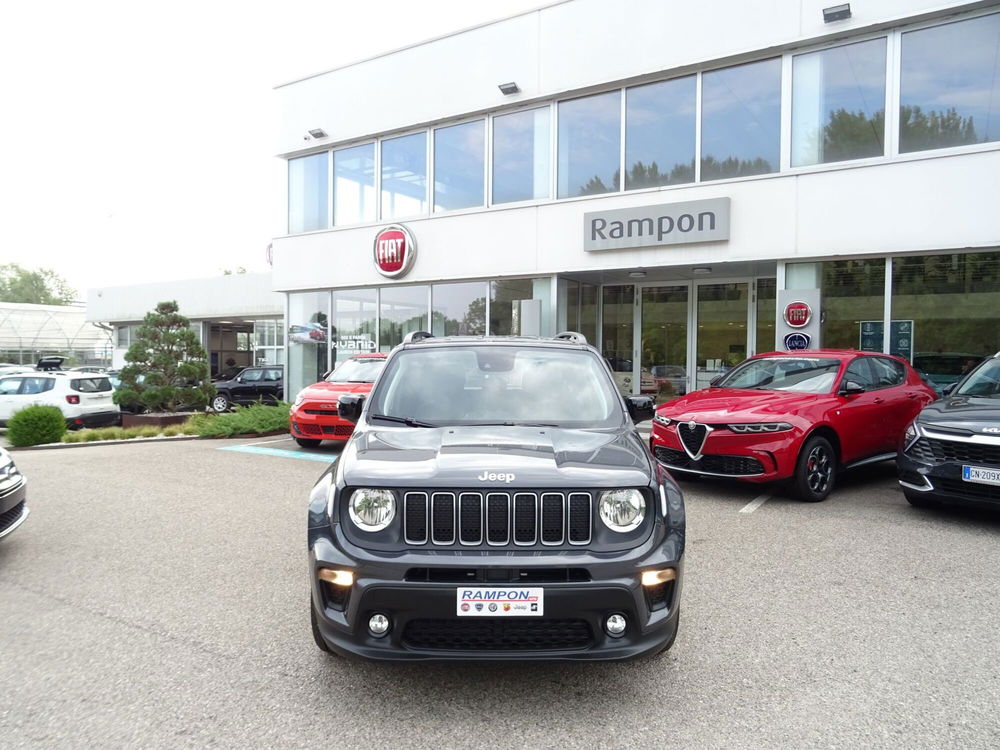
{"type": "Point", "coordinates": [337, 577]}
{"type": "Point", "coordinates": [615, 625]}
{"type": "Point", "coordinates": [656, 577]}
{"type": "Point", "coordinates": [378, 625]}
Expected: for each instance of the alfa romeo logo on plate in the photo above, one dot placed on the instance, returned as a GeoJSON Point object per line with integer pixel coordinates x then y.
{"type": "Point", "coordinates": [797, 314]}
{"type": "Point", "coordinates": [394, 251]}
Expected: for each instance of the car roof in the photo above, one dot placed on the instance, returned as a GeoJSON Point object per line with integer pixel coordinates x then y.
{"type": "Point", "coordinates": [841, 354]}
{"type": "Point", "coordinates": [369, 355]}
{"type": "Point", "coordinates": [532, 341]}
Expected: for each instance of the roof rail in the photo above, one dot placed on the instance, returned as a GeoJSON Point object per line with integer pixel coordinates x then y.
{"type": "Point", "coordinates": [572, 336]}
{"type": "Point", "coordinates": [414, 336]}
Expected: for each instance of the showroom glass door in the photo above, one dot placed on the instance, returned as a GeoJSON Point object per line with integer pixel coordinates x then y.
{"type": "Point", "coordinates": [618, 333]}
{"type": "Point", "coordinates": [663, 344]}
{"type": "Point", "coordinates": [722, 312]}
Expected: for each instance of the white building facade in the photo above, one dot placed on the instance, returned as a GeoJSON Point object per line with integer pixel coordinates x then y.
{"type": "Point", "coordinates": [685, 183]}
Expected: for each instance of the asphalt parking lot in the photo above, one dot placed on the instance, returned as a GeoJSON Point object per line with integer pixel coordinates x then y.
{"type": "Point", "coordinates": [157, 597]}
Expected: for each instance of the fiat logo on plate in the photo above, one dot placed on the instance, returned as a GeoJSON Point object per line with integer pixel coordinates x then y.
{"type": "Point", "coordinates": [797, 314]}
{"type": "Point", "coordinates": [395, 251]}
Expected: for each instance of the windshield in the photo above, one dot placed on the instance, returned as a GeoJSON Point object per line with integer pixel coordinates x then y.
{"type": "Point", "coordinates": [357, 370]}
{"type": "Point", "coordinates": [800, 374]}
{"type": "Point", "coordinates": [983, 381]}
{"type": "Point", "coordinates": [498, 385]}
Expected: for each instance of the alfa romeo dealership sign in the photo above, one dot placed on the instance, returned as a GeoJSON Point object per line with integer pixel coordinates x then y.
{"type": "Point", "coordinates": [394, 251]}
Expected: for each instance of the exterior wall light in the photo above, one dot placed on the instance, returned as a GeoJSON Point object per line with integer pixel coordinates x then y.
{"type": "Point", "coordinates": [837, 13]}
{"type": "Point", "coordinates": [317, 133]}
{"type": "Point", "coordinates": [702, 270]}
{"type": "Point", "coordinates": [509, 88]}
{"type": "Point", "coordinates": [637, 274]}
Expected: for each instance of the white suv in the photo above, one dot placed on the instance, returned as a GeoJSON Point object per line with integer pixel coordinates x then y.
{"type": "Point", "coordinates": [83, 398]}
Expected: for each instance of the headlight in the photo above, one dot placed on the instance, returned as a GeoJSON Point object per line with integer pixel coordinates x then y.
{"type": "Point", "coordinates": [760, 427]}
{"type": "Point", "coordinates": [300, 398]}
{"type": "Point", "coordinates": [372, 510]}
{"type": "Point", "coordinates": [622, 510]}
{"type": "Point", "coordinates": [910, 434]}
{"type": "Point", "coordinates": [665, 421]}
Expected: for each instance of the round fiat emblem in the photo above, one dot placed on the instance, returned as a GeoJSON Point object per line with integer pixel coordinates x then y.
{"type": "Point", "coordinates": [797, 314]}
{"type": "Point", "coordinates": [394, 251]}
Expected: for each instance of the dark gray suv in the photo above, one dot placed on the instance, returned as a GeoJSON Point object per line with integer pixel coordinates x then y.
{"type": "Point", "coordinates": [495, 502]}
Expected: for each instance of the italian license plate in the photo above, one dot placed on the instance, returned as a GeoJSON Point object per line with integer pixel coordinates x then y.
{"type": "Point", "coordinates": [980, 475]}
{"type": "Point", "coordinates": [472, 601]}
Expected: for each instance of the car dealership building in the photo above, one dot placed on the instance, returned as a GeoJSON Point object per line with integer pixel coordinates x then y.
{"type": "Point", "coordinates": [685, 183]}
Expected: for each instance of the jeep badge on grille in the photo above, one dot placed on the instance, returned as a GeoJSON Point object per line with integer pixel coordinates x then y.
{"type": "Point", "coordinates": [489, 476]}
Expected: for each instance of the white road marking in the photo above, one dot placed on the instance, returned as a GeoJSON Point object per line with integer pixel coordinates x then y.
{"type": "Point", "coordinates": [754, 504]}
{"type": "Point", "coordinates": [276, 440]}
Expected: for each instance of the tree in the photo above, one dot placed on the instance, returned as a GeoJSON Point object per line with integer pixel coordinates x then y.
{"type": "Point", "coordinates": [167, 368]}
{"type": "Point", "coordinates": [41, 287]}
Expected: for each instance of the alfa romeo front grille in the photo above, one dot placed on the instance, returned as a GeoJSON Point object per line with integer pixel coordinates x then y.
{"type": "Point", "coordinates": [497, 519]}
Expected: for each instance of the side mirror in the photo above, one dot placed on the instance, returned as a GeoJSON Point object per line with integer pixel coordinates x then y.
{"type": "Point", "coordinates": [640, 408]}
{"type": "Point", "coordinates": [850, 388]}
{"type": "Point", "coordinates": [946, 391]}
{"type": "Point", "coordinates": [350, 405]}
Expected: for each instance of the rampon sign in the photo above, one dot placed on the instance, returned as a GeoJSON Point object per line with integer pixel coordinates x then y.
{"type": "Point", "coordinates": [647, 226]}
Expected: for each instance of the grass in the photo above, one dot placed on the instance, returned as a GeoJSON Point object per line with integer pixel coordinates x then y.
{"type": "Point", "coordinates": [243, 420]}
{"type": "Point", "coordinates": [120, 433]}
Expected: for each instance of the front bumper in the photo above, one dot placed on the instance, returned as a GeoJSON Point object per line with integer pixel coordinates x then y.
{"type": "Point", "coordinates": [943, 483]}
{"type": "Point", "coordinates": [747, 457]}
{"type": "Point", "coordinates": [415, 606]}
{"type": "Point", "coordinates": [13, 505]}
{"type": "Point", "coordinates": [319, 426]}
{"type": "Point", "coordinates": [95, 419]}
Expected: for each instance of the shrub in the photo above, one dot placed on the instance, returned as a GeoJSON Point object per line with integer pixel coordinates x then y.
{"type": "Point", "coordinates": [148, 431]}
{"type": "Point", "coordinates": [72, 437]}
{"type": "Point", "coordinates": [172, 430]}
{"type": "Point", "coordinates": [36, 425]}
{"type": "Point", "coordinates": [255, 419]}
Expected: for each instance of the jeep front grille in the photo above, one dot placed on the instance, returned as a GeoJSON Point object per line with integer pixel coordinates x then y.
{"type": "Point", "coordinates": [497, 519]}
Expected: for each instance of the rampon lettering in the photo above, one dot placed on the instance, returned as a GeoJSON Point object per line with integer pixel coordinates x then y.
{"type": "Point", "coordinates": [602, 229]}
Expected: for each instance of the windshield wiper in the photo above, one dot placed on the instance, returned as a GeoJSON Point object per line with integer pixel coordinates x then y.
{"type": "Point", "coordinates": [408, 421]}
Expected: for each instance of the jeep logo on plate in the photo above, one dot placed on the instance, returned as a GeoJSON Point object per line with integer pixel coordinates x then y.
{"type": "Point", "coordinates": [394, 251]}
{"type": "Point", "coordinates": [489, 476]}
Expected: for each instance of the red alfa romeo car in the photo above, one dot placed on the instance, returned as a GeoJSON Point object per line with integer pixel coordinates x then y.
{"type": "Point", "coordinates": [314, 415]}
{"type": "Point", "coordinates": [802, 416]}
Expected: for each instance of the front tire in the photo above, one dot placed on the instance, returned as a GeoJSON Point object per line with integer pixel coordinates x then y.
{"type": "Point", "coordinates": [816, 470]}
{"type": "Point", "coordinates": [307, 443]}
{"type": "Point", "coordinates": [220, 403]}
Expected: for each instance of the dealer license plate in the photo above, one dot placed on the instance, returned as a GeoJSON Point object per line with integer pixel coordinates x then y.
{"type": "Point", "coordinates": [980, 475]}
{"type": "Point", "coordinates": [472, 601]}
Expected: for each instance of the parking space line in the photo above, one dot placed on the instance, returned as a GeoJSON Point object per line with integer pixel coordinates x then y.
{"type": "Point", "coordinates": [327, 459]}
{"type": "Point", "coordinates": [756, 503]}
{"type": "Point", "coordinates": [274, 440]}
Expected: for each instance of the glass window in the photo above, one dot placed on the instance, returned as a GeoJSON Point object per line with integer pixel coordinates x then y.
{"type": "Point", "coordinates": [951, 302]}
{"type": "Point", "coordinates": [251, 376]}
{"type": "Point", "coordinates": [353, 329]}
{"type": "Point", "coordinates": [40, 385]}
{"type": "Point", "coordinates": [766, 313]}
{"type": "Point", "coordinates": [741, 120]}
{"type": "Point", "coordinates": [618, 328]}
{"type": "Point", "coordinates": [838, 103]}
{"type": "Point", "coordinates": [357, 370]}
{"type": "Point", "coordinates": [590, 145]}
{"type": "Point", "coordinates": [520, 307]}
{"type": "Point", "coordinates": [307, 193]}
{"type": "Point", "coordinates": [458, 309]}
{"type": "Point", "coordinates": [888, 372]}
{"type": "Point", "coordinates": [84, 385]}
{"type": "Point", "coordinates": [10, 386]}
{"type": "Point", "coordinates": [799, 374]}
{"type": "Point", "coordinates": [984, 382]}
{"type": "Point", "coordinates": [659, 133]}
{"type": "Point", "coordinates": [308, 317]}
{"type": "Point", "coordinates": [123, 340]}
{"type": "Point", "coordinates": [521, 156]}
{"type": "Point", "coordinates": [853, 294]}
{"type": "Point", "coordinates": [459, 166]}
{"type": "Point", "coordinates": [403, 309]}
{"type": "Point", "coordinates": [589, 303]}
{"type": "Point", "coordinates": [404, 176]}
{"type": "Point", "coordinates": [354, 185]}
{"type": "Point", "coordinates": [860, 372]}
{"type": "Point", "coordinates": [272, 375]}
{"type": "Point", "coordinates": [950, 85]}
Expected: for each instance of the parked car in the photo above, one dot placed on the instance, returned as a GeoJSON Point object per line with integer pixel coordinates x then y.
{"type": "Point", "coordinates": [942, 369]}
{"type": "Point", "coordinates": [259, 383]}
{"type": "Point", "coordinates": [83, 398]}
{"type": "Point", "coordinates": [13, 495]}
{"type": "Point", "coordinates": [314, 416]}
{"type": "Point", "coordinates": [799, 416]}
{"type": "Point", "coordinates": [495, 502]}
{"type": "Point", "coordinates": [671, 378]}
{"type": "Point", "coordinates": [950, 454]}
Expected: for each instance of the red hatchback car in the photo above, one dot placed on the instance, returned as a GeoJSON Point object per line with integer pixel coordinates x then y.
{"type": "Point", "coordinates": [802, 416]}
{"type": "Point", "coordinates": [314, 416]}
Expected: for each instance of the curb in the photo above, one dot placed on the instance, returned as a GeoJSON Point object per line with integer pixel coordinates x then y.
{"type": "Point", "coordinates": [92, 443]}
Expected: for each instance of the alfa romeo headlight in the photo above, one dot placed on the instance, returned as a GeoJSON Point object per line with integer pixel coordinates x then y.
{"type": "Point", "coordinates": [372, 510]}
{"type": "Point", "coordinates": [622, 510]}
{"type": "Point", "coordinates": [760, 427]}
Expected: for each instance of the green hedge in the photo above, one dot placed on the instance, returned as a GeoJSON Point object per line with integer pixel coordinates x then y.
{"type": "Point", "coordinates": [243, 420]}
{"type": "Point", "coordinates": [36, 425]}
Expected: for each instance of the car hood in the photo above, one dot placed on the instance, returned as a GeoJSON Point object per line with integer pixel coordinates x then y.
{"type": "Point", "coordinates": [975, 414]}
{"type": "Point", "coordinates": [464, 457]}
{"type": "Point", "coordinates": [333, 390]}
{"type": "Point", "coordinates": [721, 405]}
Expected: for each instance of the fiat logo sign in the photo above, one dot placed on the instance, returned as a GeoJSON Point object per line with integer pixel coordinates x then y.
{"type": "Point", "coordinates": [797, 314]}
{"type": "Point", "coordinates": [395, 251]}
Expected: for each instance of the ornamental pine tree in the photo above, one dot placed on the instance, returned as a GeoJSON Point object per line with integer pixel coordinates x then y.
{"type": "Point", "coordinates": [167, 367]}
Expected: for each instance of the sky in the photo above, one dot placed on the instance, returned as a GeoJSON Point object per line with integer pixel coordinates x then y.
{"type": "Point", "coordinates": [137, 138]}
